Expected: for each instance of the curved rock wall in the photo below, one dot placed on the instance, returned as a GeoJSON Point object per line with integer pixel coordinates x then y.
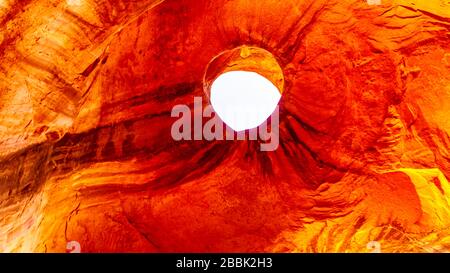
{"type": "Point", "coordinates": [86, 92]}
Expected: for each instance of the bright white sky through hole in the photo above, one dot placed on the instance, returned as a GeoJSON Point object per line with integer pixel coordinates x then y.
{"type": "Point", "coordinates": [244, 100]}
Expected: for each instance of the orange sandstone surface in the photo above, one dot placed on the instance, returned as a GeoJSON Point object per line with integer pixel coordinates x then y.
{"type": "Point", "coordinates": [86, 153]}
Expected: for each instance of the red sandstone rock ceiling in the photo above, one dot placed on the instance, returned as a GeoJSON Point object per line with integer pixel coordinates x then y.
{"type": "Point", "coordinates": [86, 92]}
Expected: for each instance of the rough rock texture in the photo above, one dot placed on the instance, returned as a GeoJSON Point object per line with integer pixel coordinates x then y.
{"type": "Point", "coordinates": [86, 90]}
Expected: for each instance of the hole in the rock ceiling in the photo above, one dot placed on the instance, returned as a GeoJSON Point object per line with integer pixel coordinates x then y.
{"type": "Point", "coordinates": [243, 99]}
{"type": "Point", "coordinates": [244, 86]}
